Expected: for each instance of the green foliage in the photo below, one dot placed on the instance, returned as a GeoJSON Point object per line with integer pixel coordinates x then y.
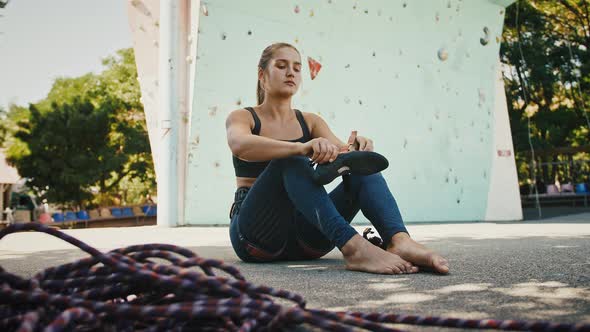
{"type": "Point", "coordinates": [86, 139]}
{"type": "Point", "coordinates": [67, 150]}
{"type": "Point", "coordinates": [9, 121]}
{"type": "Point", "coordinates": [542, 77]}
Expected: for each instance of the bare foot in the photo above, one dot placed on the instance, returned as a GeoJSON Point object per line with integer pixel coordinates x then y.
{"type": "Point", "coordinates": [361, 255]}
{"type": "Point", "coordinates": [416, 253]}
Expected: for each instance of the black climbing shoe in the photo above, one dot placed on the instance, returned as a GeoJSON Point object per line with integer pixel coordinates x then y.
{"type": "Point", "coordinates": [354, 162]}
{"type": "Point", "coordinates": [373, 239]}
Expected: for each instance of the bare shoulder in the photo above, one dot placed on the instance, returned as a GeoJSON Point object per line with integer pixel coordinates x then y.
{"type": "Point", "coordinates": [318, 127]}
{"type": "Point", "coordinates": [241, 117]}
{"type": "Point", "coordinates": [311, 119]}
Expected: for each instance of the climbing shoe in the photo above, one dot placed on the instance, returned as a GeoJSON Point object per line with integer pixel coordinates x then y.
{"type": "Point", "coordinates": [354, 162]}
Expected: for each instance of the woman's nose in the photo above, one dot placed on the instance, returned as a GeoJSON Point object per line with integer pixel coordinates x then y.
{"type": "Point", "coordinates": [290, 71]}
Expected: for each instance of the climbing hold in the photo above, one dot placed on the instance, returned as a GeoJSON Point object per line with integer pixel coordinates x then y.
{"type": "Point", "coordinates": [141, 7]}
{"type": "Point", "coordinates": [314, 67]}
{"type": "Point", "coordinates": [443, 55]}
{"type": "Point", "coordinates": [485, 40]}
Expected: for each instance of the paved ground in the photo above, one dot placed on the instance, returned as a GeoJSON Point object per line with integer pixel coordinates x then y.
{"type": "Point", "coordinates": [537, 269]}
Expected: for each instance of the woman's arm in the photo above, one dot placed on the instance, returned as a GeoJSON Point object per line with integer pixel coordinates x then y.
{"type": "Point", "coordinates": [246, 146]}
{"type": "Point", "coordinates": [319, 128]}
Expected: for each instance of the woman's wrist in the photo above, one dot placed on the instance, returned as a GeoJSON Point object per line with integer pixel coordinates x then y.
{"type": "Point", "coordinates": [299, 149]}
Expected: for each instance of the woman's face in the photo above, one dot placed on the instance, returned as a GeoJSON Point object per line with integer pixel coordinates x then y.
{"type": "Point", "coordinates": [283, 75]}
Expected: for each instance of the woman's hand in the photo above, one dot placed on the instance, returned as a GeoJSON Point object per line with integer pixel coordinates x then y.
{"type": "Point", "coordinates": [363, 144]}
{"type": "Point", "coordinates": [320, 150]}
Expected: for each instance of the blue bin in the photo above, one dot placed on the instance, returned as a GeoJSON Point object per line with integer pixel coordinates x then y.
{"type": "Point", "coordinates": [82, 215]}
{"type": "Point", "coordinates": [116, 212]}
{"type": "Point", "coordinates": [151, 210]}
{"type": "Point", "coordinates": [58, 217]}
{"type": "Point", "coordinates": [581, 188]}
{"type": "Point", "coordinates": [127, 212]}
{"type": "Point", "coordinates": [70, 216]}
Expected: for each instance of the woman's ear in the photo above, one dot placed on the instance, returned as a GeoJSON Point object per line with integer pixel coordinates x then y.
{"type": "Point", "coordinates": [261, 77]}
{"type": "Point", "coordinates": [260, 73]}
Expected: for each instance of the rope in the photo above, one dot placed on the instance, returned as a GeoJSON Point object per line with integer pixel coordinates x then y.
{"type": "Point", "coordinates": [126, 290]}
{"type": "Point", "coordinates": [582, 101]}
{"type": "Point", "coordinates": [526, 102]}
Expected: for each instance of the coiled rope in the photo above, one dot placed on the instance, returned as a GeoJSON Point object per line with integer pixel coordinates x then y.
{"type": "Point", "coordinates": [126, 290]}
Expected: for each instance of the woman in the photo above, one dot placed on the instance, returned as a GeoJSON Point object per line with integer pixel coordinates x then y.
{"type": "Point", "coordinates": [279, 212]}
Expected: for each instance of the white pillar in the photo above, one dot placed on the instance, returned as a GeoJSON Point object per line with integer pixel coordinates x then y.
{"type": "Point", "coordinates": [183, 91]}
{"type": "Point", "coordinates": [1, 200]}
{"type": "Point", "coordinates": [173, 89]}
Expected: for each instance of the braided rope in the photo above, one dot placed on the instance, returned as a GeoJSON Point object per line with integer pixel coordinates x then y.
{"type": "Point", "coordinates": [126, 290]}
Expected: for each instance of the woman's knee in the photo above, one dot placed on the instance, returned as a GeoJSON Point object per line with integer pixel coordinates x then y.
{"type": "Point", "coordinates": [356, 180]}
{"type": "Point", "coordinates": [293, 162]}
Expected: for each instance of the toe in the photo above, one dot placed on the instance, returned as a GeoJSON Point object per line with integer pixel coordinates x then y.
{"type": "Point", "coordinates": [408, 267]}
{"type": "Point", "coordinates": [441, 265]}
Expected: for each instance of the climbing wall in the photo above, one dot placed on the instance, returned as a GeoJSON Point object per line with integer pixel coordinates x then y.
{"type": "Point", "coordinates": [144, 21]}
{"type": "Point", "coordinates": [419, 77]}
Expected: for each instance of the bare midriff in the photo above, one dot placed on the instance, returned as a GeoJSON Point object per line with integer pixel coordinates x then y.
{"type": "Point", "coordinates": [245, 182]}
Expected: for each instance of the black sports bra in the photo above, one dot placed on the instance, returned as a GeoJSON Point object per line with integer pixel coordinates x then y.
{"type": "Point", "coordinates": [252, 169]}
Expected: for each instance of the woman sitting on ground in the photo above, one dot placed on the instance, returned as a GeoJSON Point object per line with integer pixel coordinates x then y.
{"type": "Point", "coordinates": [280, 212]}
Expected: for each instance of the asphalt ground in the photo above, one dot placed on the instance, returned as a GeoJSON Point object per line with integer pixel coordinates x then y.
{"type": "Point", "coordinates": [528, 270]}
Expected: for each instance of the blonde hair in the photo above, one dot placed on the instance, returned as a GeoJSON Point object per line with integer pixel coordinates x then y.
{"type": "Point", "coordinates": [265, 58]}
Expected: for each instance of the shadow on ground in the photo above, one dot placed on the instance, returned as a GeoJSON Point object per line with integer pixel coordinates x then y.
{"type": "Point", "coordinates": [530, 278]}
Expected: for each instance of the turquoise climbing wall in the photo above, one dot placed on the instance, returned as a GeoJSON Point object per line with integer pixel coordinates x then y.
{"type": "Point", "coordinates": [419, 77]}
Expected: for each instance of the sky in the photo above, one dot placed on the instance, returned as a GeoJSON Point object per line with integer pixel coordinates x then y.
{"type": "Point", "coordinates": [41, 40]}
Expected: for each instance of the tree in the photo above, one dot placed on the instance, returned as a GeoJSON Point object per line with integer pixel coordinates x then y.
{"type": "Point", "coordinates": [8, 126]}
{"type": "Point", "coordinates": [546, 47]}
{"type": "Point", "coordinates": [3, 126]}
{"type": "Point", "coordinates": [124, 156]}
{"type": "Point", "coordinates": [68, 151]}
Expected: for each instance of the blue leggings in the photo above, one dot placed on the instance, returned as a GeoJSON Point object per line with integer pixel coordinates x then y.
{"type": "Point", "coordinates": [285, 215]}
